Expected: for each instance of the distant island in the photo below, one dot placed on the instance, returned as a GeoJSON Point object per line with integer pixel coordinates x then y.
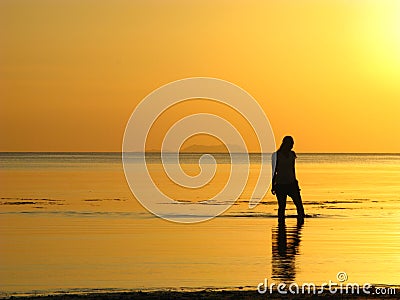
{"type": "Point", "coordinates": [211, 149]}
{"type": "Point", "coordinates": [208, 149]}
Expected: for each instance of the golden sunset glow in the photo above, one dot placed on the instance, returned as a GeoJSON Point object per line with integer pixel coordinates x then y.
{"type": "Point", "coordinates": [136, 159]}
{"type": "Point", "coordinates": [326, 72]}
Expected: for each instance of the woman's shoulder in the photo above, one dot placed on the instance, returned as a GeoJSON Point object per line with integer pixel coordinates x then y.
{"type": "Point", "coordinates": [292, 155]}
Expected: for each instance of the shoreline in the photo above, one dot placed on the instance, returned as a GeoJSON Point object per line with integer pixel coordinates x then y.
{"type": "Point", "coordinates": [377, 292]}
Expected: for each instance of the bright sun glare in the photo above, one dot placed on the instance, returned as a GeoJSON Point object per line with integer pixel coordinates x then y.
{"type": "Point", "coordinates": [381, 42]}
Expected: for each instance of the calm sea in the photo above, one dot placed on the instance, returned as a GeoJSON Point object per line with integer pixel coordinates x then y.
{"type": "Point", "coordinates": [69, 222]}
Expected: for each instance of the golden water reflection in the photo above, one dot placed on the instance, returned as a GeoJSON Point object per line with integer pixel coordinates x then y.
{"type": "Point", "coordinates": [285, 248]}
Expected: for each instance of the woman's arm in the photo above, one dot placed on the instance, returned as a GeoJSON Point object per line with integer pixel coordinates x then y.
{"type": "Point", "coordinates": [274, 171]}
{"type": "Point", "coordinates": [294, 164]}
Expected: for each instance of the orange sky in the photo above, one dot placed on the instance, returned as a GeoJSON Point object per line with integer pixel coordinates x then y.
{"type": "Point", "coordinates": [327, 72]}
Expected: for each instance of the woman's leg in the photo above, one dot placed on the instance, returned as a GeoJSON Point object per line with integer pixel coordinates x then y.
{"type": "Point", "coordinates": [281, 195]}
{"type": "Point", "coordinates": [296, 197]}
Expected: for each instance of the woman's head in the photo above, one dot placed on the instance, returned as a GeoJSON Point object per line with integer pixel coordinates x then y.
{"type": "Point", "coordinates": [287, 143]}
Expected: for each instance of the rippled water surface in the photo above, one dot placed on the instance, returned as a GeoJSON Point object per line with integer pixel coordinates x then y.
{"type": "Point", "coordinates": [69, 221]}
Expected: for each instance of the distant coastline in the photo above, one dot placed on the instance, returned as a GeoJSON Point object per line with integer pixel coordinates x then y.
{"type": "Point", "coordinates": [184, 152]}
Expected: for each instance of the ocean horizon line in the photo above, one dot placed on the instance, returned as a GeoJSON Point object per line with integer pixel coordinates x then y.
{"type": "Point", "coordinates": [191, 152]}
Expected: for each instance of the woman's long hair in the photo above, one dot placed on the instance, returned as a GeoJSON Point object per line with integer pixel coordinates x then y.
{"type": "Point", "coordinates": [287, 145]}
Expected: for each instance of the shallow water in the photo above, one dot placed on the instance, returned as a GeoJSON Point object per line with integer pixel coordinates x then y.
{"type": "Point", "coordinates": [69, 222]}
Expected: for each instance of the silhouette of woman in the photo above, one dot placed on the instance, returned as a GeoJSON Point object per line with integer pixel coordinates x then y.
{"type": "Point", "coordinates": [284, 182]}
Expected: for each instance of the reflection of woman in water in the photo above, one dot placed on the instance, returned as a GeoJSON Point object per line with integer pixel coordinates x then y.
{"type": "Point", "coordinates": [284, 182]}
{"type": "Point", "coordinates": [285, 248]}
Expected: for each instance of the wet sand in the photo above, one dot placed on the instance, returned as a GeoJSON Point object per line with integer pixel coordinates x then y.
{"type": "Point", "coordinates": [209, 295]}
